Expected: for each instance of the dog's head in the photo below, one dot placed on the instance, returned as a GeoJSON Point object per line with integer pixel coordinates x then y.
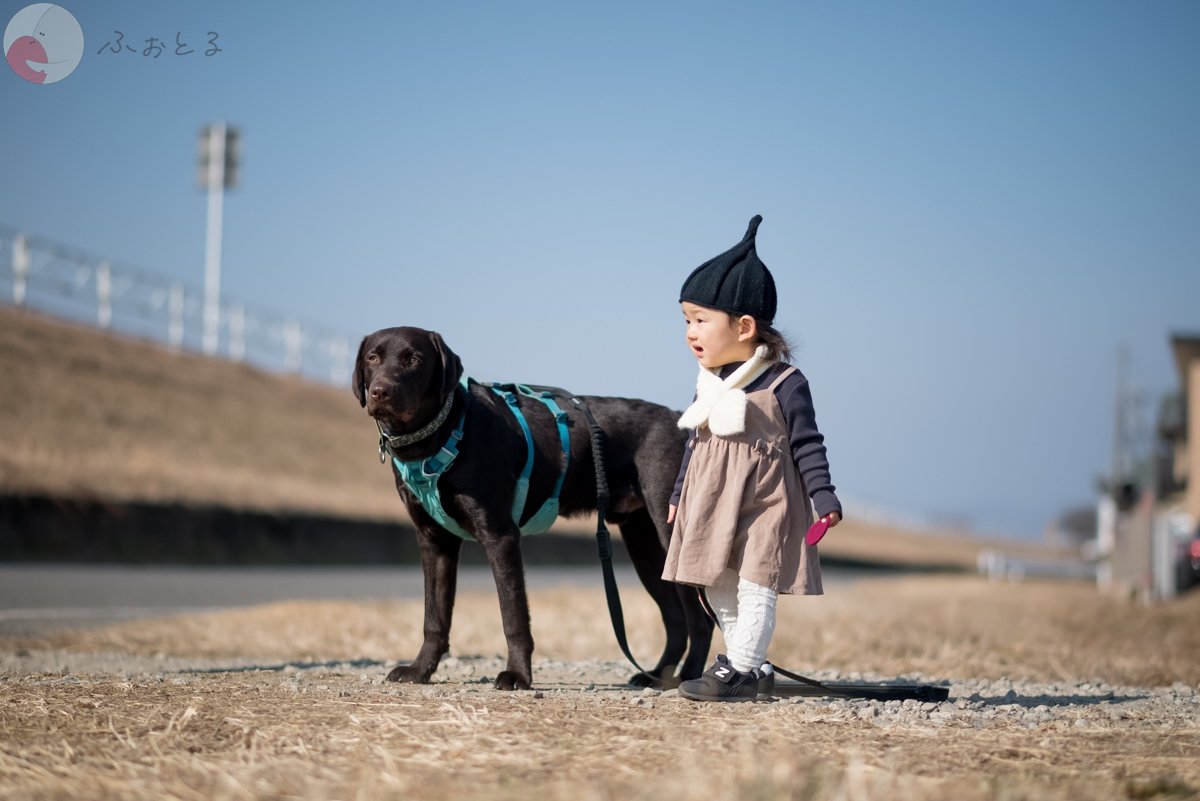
{"type": "Point", "coordinates": [402, 376]}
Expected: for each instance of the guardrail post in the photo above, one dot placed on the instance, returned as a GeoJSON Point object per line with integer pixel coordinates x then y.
{"type": "Point", "coordinates": [339, 369]}
{"type": "Point", "coordinates": [104, 294]}
{"type": "Point", "coordinates": [293, 337]}
{"type": "Point", "coordinates": [237, 333]}
{"type": "Point", "coordinates": [175, 320]}
{"type": "Point", "coordinates": [20, 268]}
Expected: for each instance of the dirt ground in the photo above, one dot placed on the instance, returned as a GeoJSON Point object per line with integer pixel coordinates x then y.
{"type": "Point", "coordinates": [1056, 693]}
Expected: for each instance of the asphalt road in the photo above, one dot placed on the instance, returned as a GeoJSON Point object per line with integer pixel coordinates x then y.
{"type": "Point", "coordinates": [39, 598]}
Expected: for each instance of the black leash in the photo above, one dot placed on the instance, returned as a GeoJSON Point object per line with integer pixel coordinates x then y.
{"type": "Point", "coordinates": [604, 539]}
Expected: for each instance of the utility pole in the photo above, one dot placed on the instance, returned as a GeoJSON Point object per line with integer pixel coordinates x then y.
{"type": "Point", "coordinates": [219, 156]}
{"type": "Point", "coordinates": [1120, 454]}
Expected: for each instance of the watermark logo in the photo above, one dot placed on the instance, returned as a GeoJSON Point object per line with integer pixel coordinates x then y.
{"type": "Point", "coordinates": [43, 43]}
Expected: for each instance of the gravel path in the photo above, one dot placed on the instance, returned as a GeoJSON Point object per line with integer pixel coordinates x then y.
{"type": "Point", "coordinates": [974, 703]}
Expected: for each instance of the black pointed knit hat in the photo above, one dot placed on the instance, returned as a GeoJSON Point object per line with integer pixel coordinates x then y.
{"type": "Point", "coordinates": [736, 282]}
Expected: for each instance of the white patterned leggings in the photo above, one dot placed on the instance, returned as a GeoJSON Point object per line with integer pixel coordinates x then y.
{"type": "Point", "coordinates": [746, 614]}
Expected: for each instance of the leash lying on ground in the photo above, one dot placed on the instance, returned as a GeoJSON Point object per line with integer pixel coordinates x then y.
{"type": "Point", "coordinates": [880, 692]}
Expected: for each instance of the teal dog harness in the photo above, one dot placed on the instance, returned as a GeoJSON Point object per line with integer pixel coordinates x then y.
{"type": "Point", "coordinates": [421, 476]}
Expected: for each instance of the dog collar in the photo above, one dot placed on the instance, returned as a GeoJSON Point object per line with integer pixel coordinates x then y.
{"type": "Point", "coordinates": [390, 441]}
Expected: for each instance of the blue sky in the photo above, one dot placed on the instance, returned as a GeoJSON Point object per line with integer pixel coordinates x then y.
{"type": "Point", "coordinates": [968, 206]}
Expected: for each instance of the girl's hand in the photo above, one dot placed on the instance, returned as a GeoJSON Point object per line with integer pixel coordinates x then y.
{"type": "Point", "coordinates": [671, 514]}
{"type": "Point", "coordinates": [834, 518]}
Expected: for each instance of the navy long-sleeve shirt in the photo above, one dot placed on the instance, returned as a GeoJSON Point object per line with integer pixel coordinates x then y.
{"type": "Point", "coordinates": [807, 442]}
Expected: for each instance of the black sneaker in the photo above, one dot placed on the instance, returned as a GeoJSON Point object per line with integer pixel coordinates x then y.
{"type": "Point", "coordinates": [721, 682]}
{"type": "Point", "coordinates": [766, 681]}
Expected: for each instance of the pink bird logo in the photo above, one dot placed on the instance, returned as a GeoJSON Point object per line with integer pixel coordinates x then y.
{"type": "Point", "coordinates": [43, 43]}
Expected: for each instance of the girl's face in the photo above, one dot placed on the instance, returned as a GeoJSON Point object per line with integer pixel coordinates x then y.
{"type": "Point", "coordinates": [716, 338]}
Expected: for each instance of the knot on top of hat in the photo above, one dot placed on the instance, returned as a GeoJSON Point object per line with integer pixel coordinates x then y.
{"type": "Point", "coordinates": [736, 282]}
{"type": "Point", "coordinates": [721, 404]}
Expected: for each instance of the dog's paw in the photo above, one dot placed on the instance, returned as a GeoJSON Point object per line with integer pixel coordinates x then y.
{"type": "Point", "coordinates": [409, 674]}
{"type": "Point", "coordinates": [663, 678]}
{"type": "Point", "coordinates": [508, 680]}
{"type": "Point", "coordinates": [643, 680]}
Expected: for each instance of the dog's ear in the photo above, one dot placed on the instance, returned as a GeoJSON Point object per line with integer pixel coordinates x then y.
{"type": "Point", "coordinates": [451, 365]}
{"type": "Point", "coordinates": [358, 381]}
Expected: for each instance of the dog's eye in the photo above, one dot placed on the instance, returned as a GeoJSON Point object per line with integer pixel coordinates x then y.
{"type": "Point", "coordinates": [372, 357]}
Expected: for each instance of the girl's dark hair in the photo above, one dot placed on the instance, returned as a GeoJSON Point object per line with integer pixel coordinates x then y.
{"type": "Point", "coordinates": [778, 347]}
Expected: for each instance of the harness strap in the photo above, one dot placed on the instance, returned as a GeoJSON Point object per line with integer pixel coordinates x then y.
{"type": "Point", "coordinates": [522, 490]}
{"type": "Point", "coordinates": [564, 440]}
{"type": "Point", "coordinates": [421, 476]}
{"type": "Point", "coordinates": [545, 516]}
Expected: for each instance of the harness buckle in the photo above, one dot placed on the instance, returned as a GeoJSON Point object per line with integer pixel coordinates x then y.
{"type": "Point", "coordinates": [382, 450]}
{"type": "Point", "coordinates": [434, 465]}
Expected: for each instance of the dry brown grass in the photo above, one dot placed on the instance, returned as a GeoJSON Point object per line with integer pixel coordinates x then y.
{"type": "Point", "coordinates": [253, 737]}
{"type": "Point", "coordinates": [338, 732]}
{"type": "Point", "coordinates": [85, 413]}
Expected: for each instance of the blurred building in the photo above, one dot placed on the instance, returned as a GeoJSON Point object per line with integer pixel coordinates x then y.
{"type": "Point", "coordinates": [1148, 516]}
{"type": "Point", "coordinates": [1179, 427]}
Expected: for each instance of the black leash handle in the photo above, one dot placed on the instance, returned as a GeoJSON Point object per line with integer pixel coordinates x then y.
{"type": "Point", "coordinates": [603, 537]}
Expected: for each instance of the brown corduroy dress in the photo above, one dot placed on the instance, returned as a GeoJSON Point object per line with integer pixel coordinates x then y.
{"type": "Point", "coordinates": [744, 506]}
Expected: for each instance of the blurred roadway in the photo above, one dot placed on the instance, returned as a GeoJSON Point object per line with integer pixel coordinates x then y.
{"type": "Point", "coordinates": [38, 598]}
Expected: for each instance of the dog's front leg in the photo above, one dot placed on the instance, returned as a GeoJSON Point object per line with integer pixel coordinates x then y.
{"type": "Point", "coordinates": [503, 551]}
{"type": "Point", "coordinates": [439, 562]}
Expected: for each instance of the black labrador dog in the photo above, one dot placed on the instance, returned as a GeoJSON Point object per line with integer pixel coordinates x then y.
{"type": "Point", "coordinates": [405, 378]}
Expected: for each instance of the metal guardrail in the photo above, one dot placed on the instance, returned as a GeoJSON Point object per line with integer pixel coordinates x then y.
{"type": "Point", "coordinates": [38, 273]}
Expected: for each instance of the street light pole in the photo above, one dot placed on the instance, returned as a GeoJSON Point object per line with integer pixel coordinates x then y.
{"type": "Point", "coordinates": [215, 150]}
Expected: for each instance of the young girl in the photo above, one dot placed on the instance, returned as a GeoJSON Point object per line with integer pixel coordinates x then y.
{"type": "Point", "coordinates": [741, 504]}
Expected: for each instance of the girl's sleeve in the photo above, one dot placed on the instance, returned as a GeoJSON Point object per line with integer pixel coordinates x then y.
{"type": "Point", "coordinates": [807, 442]}
{"type": "Point", "coordinates": [687, 457]}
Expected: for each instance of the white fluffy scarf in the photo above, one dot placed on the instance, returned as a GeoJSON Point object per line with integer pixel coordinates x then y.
{"type": "Point", "coordinates": [721, 404]}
